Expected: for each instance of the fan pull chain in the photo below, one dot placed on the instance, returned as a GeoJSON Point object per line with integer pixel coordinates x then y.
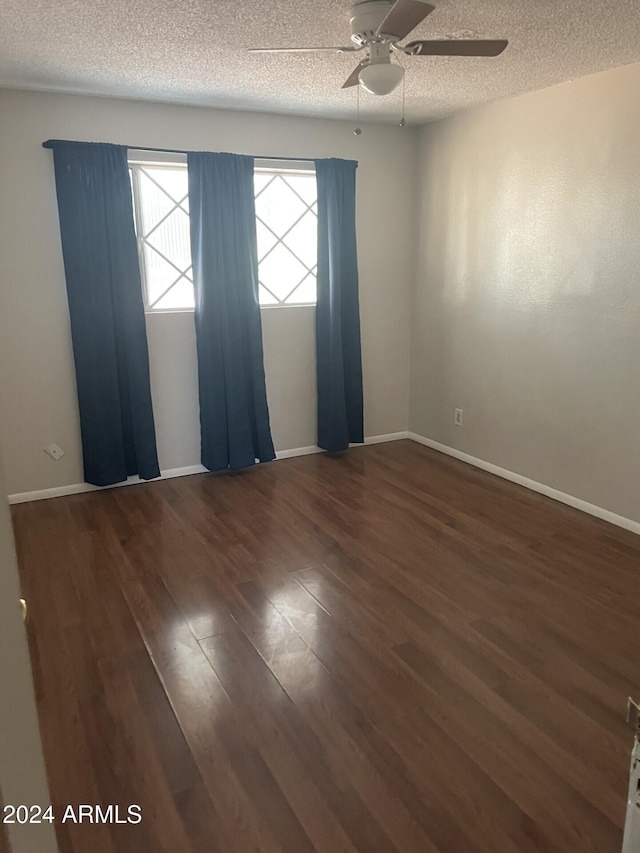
{"type": "Point", "coordinates": [403, 120]}
{"type": "Point", "coordinates": [358, 130]}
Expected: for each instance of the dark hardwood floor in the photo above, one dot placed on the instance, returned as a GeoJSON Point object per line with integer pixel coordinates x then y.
{"type": "Point", "coordinates": [386, 651]}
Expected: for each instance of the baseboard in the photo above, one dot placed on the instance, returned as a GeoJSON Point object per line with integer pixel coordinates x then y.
{"type": "Point", "coordinates": [298, 451]}
{"type": "Point", "coordinates": [541, 488]}
{"type": "Point", "coordinates": [380, 439]}
{"type": "Point", "coordinates": [79, 488]}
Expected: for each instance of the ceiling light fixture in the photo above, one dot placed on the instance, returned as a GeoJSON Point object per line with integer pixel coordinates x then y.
{"type": "Point", "coordinates": [381, 78]}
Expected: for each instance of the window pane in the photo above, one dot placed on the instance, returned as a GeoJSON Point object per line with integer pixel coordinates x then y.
{"type": "Point", "coordinates": [286, 208]}
{"type": "Point", "coordinates": [178, 296]}
{"type": "Point", "coordinates": [306, 293]}
{"type": "Point", "coordinates": [154, 203]}
{"type": "Point", "coordinates": [260, 180]}
{"type": "Point", "coordinates": [265, 297]}
{"type": "Point", "coordinates": [281, 272]}
{"type": "Point", "coordinates": [171, 238]}
{"type": "Point", "coordinates": [175, 182]}
{"type": "Point", "coordinates": [303, 239]}
{"type": "Point", "coordinates": [162, 224]}
{"type": "Point", "coordinates": [305, 185]}
{"type": "Point", "coordinates": [266, 239]}
{"type": "Point", "coordinates": [279, 206]}
{"type": "Point", "coordinates": [158, 273]}
{"type": "Point", "coordinates": [286, 231]}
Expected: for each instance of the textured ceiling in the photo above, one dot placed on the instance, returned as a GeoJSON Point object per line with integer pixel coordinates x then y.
{"type": "Point", "coordinates": [194, 51]}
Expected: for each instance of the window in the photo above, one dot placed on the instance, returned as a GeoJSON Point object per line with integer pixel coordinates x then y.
{"type": "Point", "coordinates": [286, 227]}
{"type": "Point", "coordinates": [161, 205]}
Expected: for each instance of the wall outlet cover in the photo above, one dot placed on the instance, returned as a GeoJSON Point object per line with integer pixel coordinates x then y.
{"type": "Point", "coordinates": [457, 418]}
{"type": "Point", "coordinates": [54, 451]}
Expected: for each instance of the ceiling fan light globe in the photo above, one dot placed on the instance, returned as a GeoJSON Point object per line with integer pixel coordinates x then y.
{"type": "Point", "coordinates": [381, 78]}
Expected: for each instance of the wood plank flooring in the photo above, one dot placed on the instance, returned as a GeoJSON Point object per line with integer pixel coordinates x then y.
{"type": "Point", "coordinates": [383, 651]}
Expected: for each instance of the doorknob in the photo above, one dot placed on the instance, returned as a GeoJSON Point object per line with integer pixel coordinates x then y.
{"type": "Point", "coordinates": [23, 606]}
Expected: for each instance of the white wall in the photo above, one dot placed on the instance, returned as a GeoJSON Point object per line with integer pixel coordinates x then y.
{"type": "Point", "coordinates": [36, 366]}
{"type": "Point", "coordinates": [527, 305]}
{"type": "Point", "coordinates": [22, 772]}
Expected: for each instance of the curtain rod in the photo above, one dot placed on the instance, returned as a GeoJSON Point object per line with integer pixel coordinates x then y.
{"type": "Point", "coordinates": [49, 143]}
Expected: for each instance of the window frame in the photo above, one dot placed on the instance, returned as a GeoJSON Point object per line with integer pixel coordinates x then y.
{"type": "Point", "coordinates": [290, 167]}
{"type": "Point", "coordinates": [160, 159]}
{"type": "Point", "coordinates": [156, 160]}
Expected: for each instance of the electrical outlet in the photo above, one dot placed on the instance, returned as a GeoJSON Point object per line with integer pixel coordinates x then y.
{"type": "Point", "coordinates": [457, 418]}
{"type": "Point", "coordinates": [54, 451]}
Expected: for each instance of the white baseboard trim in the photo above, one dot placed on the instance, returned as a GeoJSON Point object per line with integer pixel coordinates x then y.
{"type": "Point", "coordinates": [78, 488]}
{"type": "Point", "coordinates": [548, 491]}
{"type": "Point", "coordinates": [380, 439]}
{"type": "Point", "coordinates": [371, 439]}
{"type": "Point", "coordinates": [169, 473]}
{"type": "Point", "coordinates": [298, 451]}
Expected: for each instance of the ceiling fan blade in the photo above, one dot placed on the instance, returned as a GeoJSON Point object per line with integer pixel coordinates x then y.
{"type": "Point", "coordinates": [354, 78]}
{"type": "Point", "coordinates": [403, 16]}
{"type": "Point", "coordinates": [456, 47]}
{"type": "Point", "coordinates": [302, 49]}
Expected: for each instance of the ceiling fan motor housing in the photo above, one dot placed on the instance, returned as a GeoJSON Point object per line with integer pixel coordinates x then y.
{"type": "Point", "coordinates": [365, 19]}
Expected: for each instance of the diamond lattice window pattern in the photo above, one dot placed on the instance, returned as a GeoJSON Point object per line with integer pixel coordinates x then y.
{"type": "Point", "coordinates": [286, 225]}
{"type": "Point", "coordinates": [162, 221]}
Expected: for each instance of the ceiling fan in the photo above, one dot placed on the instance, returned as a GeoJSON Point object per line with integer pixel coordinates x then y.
{"type": "Point", "coordinates": [377, 26]}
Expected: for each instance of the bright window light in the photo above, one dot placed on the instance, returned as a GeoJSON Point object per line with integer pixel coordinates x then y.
{"type": "Point", "coordinates": [286, 228]}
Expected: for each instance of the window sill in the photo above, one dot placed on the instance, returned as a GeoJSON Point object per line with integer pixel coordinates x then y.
{"type": "Point", "coordinates": [153, 312]}
{"type": "Point", "coordinates": [288, 306]}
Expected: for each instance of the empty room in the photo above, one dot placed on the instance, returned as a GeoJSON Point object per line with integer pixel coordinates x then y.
{"type": "Point", "coordinates": [319, 426]}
